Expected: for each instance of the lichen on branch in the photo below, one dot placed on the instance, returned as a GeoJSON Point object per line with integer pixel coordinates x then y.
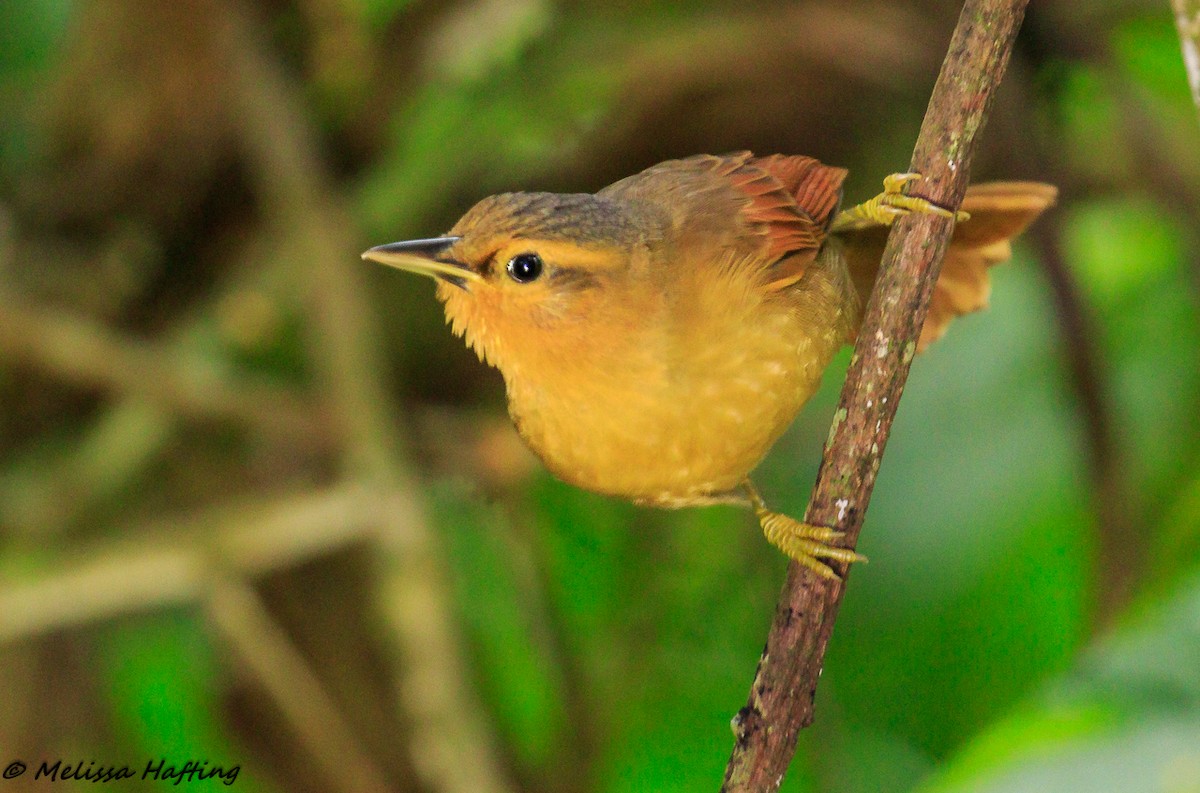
{"type": "Point", "coordinates": [784, 688]}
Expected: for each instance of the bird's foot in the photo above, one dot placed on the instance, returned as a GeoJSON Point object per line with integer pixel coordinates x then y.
{"type": "Point", "coordinates": [803, 542]}
{"type": "Point", "coordinates": [892, 203]}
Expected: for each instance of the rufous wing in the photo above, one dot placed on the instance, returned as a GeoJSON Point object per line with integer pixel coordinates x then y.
{"type": "Point", "coordinates": [999, 212]}
{"type": "Point", "coordinates": [792, 201]}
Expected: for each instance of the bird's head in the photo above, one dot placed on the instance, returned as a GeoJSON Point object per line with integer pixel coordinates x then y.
{"type": "Point", "coordinates": [533, 279]}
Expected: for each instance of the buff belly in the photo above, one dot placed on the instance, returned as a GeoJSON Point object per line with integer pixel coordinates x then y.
{"type": "Point", "coordinates": [680, 437]}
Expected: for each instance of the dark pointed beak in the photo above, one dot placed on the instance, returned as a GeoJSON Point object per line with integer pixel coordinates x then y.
{"type": "Point", "coordinates": [417, 256]}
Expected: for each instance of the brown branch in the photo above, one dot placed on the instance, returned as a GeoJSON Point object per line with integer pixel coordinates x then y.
{"type": "Point", "coordinates": [1121, 553]}
{"type": "Point", "coordinates": [170, 563]}
{"type": "Point", "coordinates": [1114, 501]}
{"type": "Point", "coordinates": [451, 745]}
{"type": "Point", "coordinates": [1150, 144]}
{"type": "Point", "coordinates": [784, 687]}
{"type": "Point", "coordinates": [268, 655]}
{"type": "Point", "coordinates": [77, 351]}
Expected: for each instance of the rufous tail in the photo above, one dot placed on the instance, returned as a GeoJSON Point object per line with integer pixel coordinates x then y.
{"type": "Point", "coordinates": [999, 212]}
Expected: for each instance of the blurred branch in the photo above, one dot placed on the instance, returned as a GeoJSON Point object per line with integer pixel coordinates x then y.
{"type": "Point", "coordinates": [277, 666]}
{"type": "Point", "coordinates": [1151, 149]}
{"type": "Point", "coordinates": [784, 687]}
{"type": "Point", "coordinates": [43, 494]}
{"type": "Point", "coordinates": [577, 744]}
{"type": "Point", "coordinates": [1121, 550]}
{"type": "Point", "coordinates": [701, 69]}
{"type": "Point", "coordinates": [46, 490]}
{"type": "Point", "coordinates": [1125, 563]}
{"type": "Point", "coordinates": [93, 356]}
{"type": "Point", "coordinates": [132, 576]}
{"type": "Point", "coordinates": [1187, 20]}
{"type": "Point", "coordinates": [1079, 335]}
{"type": "Point", "coordinates": [874, 48]}
{"type": "Point", "coordinates": [297, 194]}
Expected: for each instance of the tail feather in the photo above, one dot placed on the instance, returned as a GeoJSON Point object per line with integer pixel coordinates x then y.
{"type": "Point", "coordinates": [999, 212]}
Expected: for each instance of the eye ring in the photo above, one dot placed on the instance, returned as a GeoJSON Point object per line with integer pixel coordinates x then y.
{"type": "Point", "coordinates": [525, 267]}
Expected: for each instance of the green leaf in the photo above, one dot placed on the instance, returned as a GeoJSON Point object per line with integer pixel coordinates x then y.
{"type": "Point", "coordinates": [517, 678]}
{"type": "Point", "coordinates": [158, 674]}
{"type": "Point", "coordinates": [29, 32]}
{"type": "Point", "coordinates": [1117, 246]}
{"type": "Point", "coordinates": [1125, 719]}
{"type": "Point", "coordinates": [978, 583]}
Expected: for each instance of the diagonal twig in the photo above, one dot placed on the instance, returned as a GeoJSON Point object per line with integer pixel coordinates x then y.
{"type": "Point", "coordinates": [169, 563]}
{"type": "Point", "coordinates": [452, 746]}
{"type": "Point", "coordinates": [784, 687]}
{"type": "Point", "coordinates": [269, 657]}
{"type": "Point", "coordinates": [92, 355]}
{"type": "Point", "coordinates": [1187, 21]}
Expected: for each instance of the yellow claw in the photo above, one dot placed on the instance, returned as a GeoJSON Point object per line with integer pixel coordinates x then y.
{"type": "Point", "coordinates": [803, 542]}
{"type": "Point", "coordinates": [892, 203]}
{"type": "Point", "coordinates": [893, 183]}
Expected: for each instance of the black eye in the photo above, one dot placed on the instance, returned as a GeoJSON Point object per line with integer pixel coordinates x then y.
{"type": "Point", "coordinates": [525, 267]}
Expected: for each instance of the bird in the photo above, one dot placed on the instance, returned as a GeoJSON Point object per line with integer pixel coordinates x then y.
{"type": "Point", "coordinates": [658, 336]}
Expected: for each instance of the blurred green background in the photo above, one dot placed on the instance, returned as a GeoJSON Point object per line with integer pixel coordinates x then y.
{"type": "Point", "coordinates": [259, 508]}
